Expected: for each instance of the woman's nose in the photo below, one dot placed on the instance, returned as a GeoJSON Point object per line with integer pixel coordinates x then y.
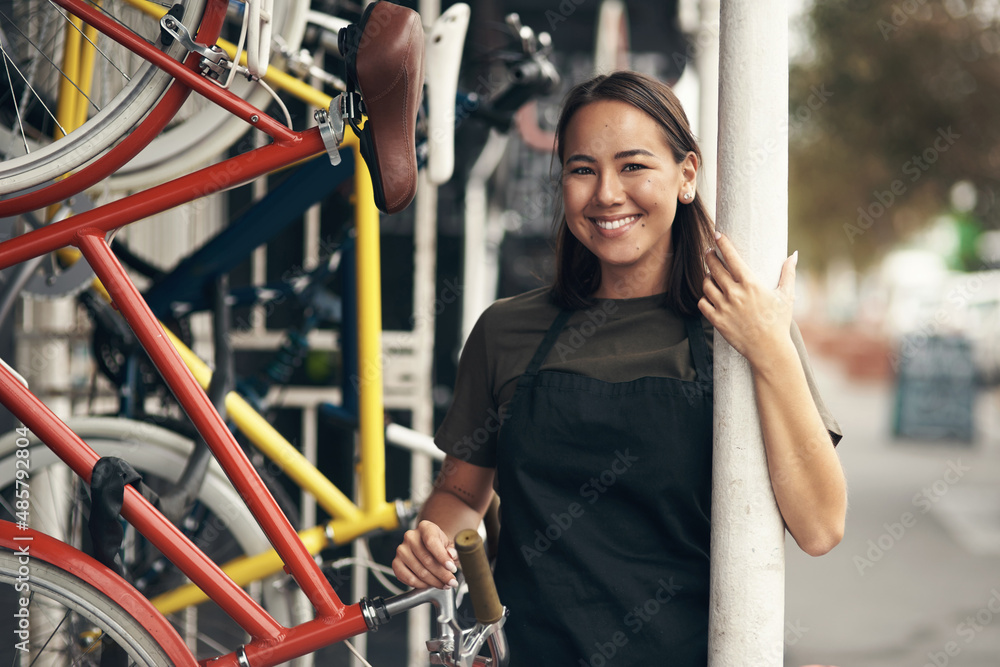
{"type": "Point", "coordinates": [609, 190]}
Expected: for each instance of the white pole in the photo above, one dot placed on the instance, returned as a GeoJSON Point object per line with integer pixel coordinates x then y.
{"type": "Point", "coordinates": [424, 292]}
{"type": "Point", "coordinates": [424, 295]}
{"type": "Point", "coordinates": [49, 353]}
{"type": "Point", "coordinates": [707, 64]}
{"type": "Point", "coordinates": [482, 236]}
{"type": "Point", "coordinates": [747, 554]}
{"type": "Point", "coordinates": [359, 576]}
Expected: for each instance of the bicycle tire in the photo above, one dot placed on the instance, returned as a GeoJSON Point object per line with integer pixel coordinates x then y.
{"type": "Point", "coordinates": [188, 432]}
{"type": "Point", "coordinates": [202, 131]}
{"type": "Point", "coordinates": [122, 110]}
{"type": "Point", "coordinates": [82, 609]}
{"type": "Point", "coordinates": [160, 454]}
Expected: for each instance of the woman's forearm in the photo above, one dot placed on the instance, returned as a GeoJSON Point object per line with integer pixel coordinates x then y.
{"type": "Point", "coordinates": [462, 492]}
{"type": "Point", "coordinates": [451, 513]}
{"type": "Point", "coordinates": [806, 474]}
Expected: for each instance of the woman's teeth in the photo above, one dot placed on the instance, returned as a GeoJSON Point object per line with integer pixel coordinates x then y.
{"type": "Point", "coordinates": [615, 224]}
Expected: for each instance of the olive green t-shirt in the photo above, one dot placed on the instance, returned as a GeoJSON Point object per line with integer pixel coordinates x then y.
{"type": "Point", "coordinates": [615, 340]}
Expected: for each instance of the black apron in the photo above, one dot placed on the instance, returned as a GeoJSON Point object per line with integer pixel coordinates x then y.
{"type": "Point", "coordinates": [606, 491]}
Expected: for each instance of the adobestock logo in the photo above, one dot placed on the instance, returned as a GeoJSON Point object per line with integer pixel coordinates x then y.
{"type": "Point", "coordinates": [581, 333]}
{"type": "Point", "coordinates": [915, 168]}
{"type": "Point", "coordinates": [636, 619]}
{"type": "Point", "coordinates": [591, 490]}
{"type": "Point", "coordinates": [968, 630]}
{"type": "Point", "coordinates": [924, 500]}
{"type": "Point", "coordinates": [900, 15]}
{"type": "Point", "coordinates": [936, 323]}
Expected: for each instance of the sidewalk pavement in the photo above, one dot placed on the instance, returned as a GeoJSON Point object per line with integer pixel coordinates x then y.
{"type": "Point", "coordinates": [916, 579]}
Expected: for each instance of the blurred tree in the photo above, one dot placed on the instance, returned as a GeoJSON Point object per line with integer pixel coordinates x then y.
{"type": "Point", "coordinates": [894, 102]}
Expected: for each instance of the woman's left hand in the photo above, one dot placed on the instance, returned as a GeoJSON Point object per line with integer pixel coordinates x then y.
{"type": "Point", "coordinates": [752, 317]}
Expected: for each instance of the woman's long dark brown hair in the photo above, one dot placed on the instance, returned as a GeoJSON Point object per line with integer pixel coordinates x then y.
{"type": "Point", "coordinates": [578, 272]}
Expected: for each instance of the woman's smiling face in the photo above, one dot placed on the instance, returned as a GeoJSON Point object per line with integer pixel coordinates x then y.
{"type": "Point", "coordinates": [621, 187]}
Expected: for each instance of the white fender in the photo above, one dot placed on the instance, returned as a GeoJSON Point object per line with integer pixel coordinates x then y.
{"type": "Point", "coordinates": [259, 36]}
{"type": "Point", "coordinates": [442, 59]}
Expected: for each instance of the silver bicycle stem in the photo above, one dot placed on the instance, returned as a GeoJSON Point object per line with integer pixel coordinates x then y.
{"type": "Point", "coordinates": [453, 646]}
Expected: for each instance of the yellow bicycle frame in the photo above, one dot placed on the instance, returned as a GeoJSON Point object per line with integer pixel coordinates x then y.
{"type": "Point", "coordinates": [349, 520]}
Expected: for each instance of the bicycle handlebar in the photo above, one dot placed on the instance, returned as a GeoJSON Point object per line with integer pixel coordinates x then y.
{"type": "Point", "coordinates": [482, 589]}
{"type": "Point", "coordinates": [453, 645]}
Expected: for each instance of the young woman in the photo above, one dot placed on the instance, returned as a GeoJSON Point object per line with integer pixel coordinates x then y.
{"type": "Point", "coordinates": [588, 405]}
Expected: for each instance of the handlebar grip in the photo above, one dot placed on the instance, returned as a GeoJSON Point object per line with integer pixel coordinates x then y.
{"type": "Point", "coordinates": [482, 589]}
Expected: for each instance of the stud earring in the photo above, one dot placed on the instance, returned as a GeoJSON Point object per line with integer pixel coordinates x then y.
{"type": "Point", "coordinates": [687, 196]}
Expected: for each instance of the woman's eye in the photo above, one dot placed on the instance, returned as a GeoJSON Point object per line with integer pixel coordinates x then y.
{"type": "Point", "coordinates": [634, 167]}
{"type": "Point", "coordinates": [581, 170]}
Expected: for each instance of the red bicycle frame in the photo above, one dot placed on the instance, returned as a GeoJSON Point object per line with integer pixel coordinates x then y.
{"type": "Point", "coordinates": [271, 643]}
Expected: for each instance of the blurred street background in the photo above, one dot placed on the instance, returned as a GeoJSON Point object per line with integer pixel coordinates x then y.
{"type": "Point", "coordinates": [893, 194]}
{"type": "Point", "coordinates": [892, 594]}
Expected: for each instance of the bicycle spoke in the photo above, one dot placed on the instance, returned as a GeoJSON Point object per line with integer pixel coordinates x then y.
{"type": "Point", "coordinates": [120, 84]}
{"type": "Point", "coordinates": [21, 106]}
{"type": "Point", "coordinates": [6, 506]}
{"type": "Point", "coordinates": [28, 83]}
{"type": "Point", "coordinates": [47, 28]}
{"type": "Point", "coordinates": [51, 634]}
{"type": "Point", "coordinates": [103, 10]}
{"type": "Point", "coordinates": [98, 641]}
{"type": "Point", "coordinates": [66, 17]}
{"type": "Point", "coordinates": [64, 73]}
{"type": "Point", "coordinates": [17, 111]}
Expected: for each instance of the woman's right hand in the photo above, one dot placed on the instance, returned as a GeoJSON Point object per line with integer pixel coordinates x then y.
{"type": "Point", "coordinates": [426, 558]}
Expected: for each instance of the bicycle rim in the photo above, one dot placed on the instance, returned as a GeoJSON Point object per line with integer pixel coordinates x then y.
{"type": "Point", "coordinates": [220, 524]}
{"type": "Point", "coordinates": [68, 621]}
{"type": "Point", "coordinates": [201, 131]}
{"type": "Point", "coordinates": [45, 63]}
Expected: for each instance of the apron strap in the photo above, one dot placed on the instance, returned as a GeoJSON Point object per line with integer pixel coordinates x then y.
{"type": "Point", "coordinates": [699, 349]}
{"type": "Point", "coordinates": [545, 347]}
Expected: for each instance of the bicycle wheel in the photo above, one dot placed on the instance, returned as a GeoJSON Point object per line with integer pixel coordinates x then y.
{"type": "Point", "coordinates": [45, 64]}
{"type": "Point", "coordinates": [68, 621]}
{"type": "Point", "coordinates": [220, 524]}
{"type": "Point", "coordinates": [201, 131]}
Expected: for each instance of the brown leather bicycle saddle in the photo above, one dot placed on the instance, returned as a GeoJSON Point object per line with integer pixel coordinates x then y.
{"type": "Point", "coordinates": [384, 54]}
